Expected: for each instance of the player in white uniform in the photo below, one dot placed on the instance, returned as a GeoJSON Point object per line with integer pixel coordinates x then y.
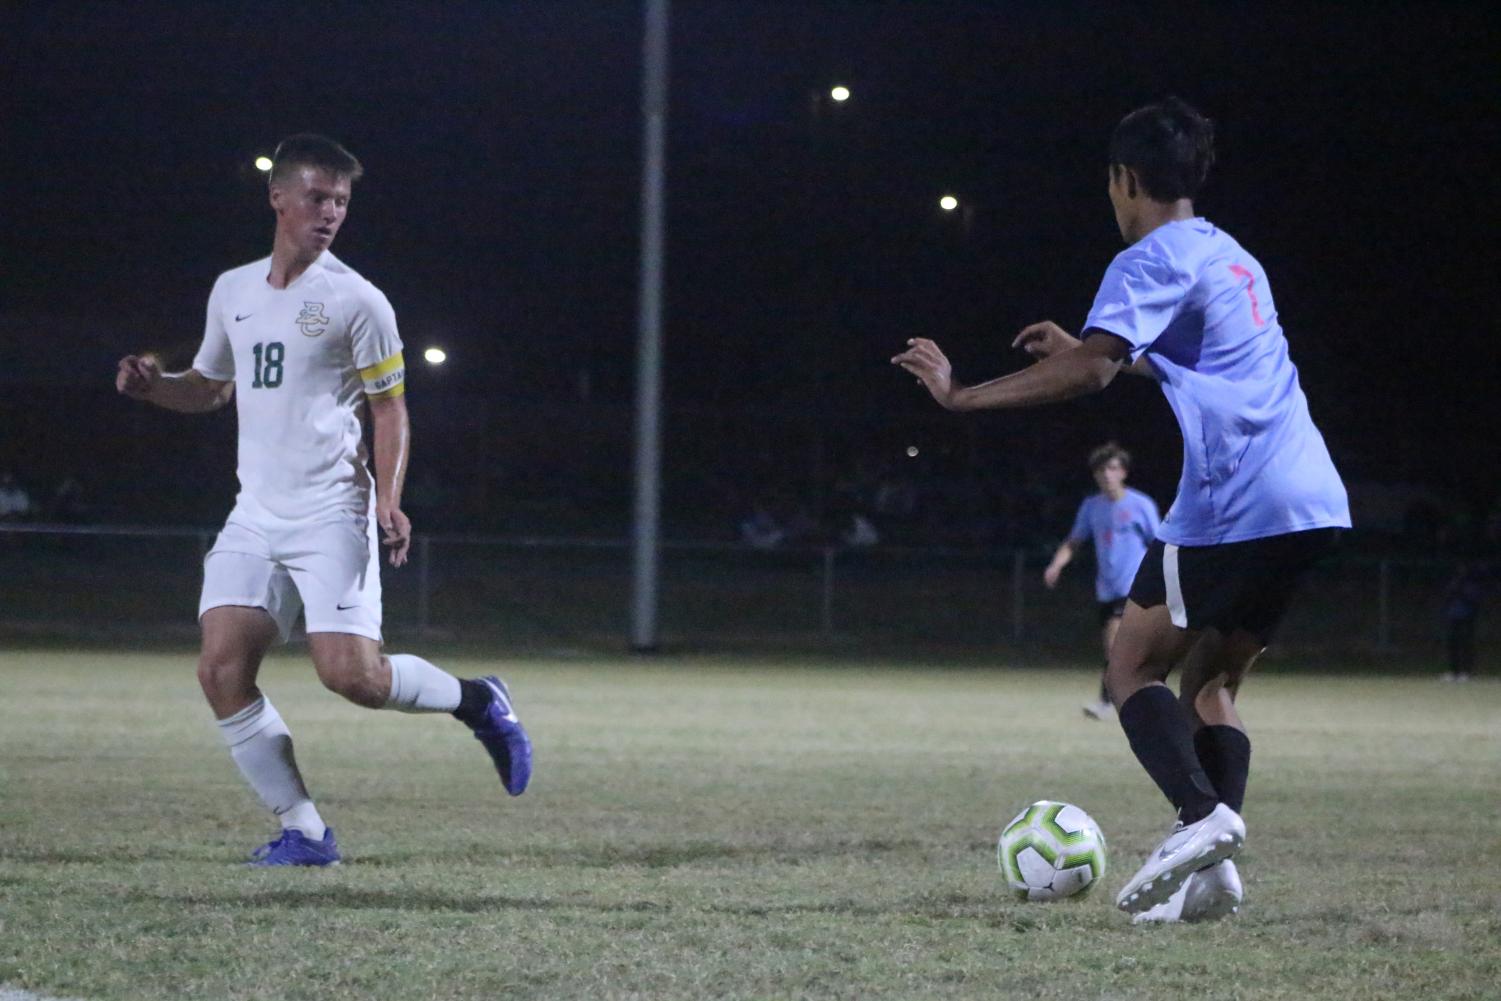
{"type": "Point", "coordinates": [304, 345]}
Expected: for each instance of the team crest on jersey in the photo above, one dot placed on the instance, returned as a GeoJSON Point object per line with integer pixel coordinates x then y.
{"type": "Point", "coordinates": [312, 319]}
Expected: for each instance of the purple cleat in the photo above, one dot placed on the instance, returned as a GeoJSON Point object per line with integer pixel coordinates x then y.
{"type": "Point", "coordinates": [505, 738]}
{"type": "Point", "coordinates": [296, 848]}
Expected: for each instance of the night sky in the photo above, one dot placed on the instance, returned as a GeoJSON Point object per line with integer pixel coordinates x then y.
{"type": "Point", "coordinates": [499, 212]}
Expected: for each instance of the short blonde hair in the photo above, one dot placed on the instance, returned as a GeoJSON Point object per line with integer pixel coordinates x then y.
{"type": "Point", "coordinates": [307, 149]}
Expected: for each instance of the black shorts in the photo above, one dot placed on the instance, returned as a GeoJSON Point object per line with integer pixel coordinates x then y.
{"type": "Point", "coordinates": [1111, 609]}
{"type": "Point", "coordinates": [1236, 585]}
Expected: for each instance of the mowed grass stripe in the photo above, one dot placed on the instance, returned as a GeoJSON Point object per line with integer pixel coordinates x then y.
{"type": "Point", "coordinates": [728, 828]}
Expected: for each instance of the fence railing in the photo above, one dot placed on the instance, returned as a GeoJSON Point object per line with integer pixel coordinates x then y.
{"type": "Point", "coordinates": [66, 576]}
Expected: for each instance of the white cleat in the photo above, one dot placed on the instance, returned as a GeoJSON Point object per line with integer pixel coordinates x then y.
{"type": "Point", "coordinates": [1213, 893]}
{"type": "Point", "coordinates": [1184, 852]}
{"type": "Point", "coordinates": [1170, 911]}
{"type": "Point", "coordinates": [1099, 710]}
{"type": "Point", "coordinates": [1207, 895]}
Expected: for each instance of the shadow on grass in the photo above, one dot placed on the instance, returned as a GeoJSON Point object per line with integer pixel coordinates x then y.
{"type": "Point", "coordinates": [357, 898]}
{"type": "Point", "coordinates": [982, 908]}
{"type": "Point", "coordinates": [112, 856]}
{"type": "Point", "coordinates": [606, 856]}
{"type": "Point", "coordinates": [655, 856]}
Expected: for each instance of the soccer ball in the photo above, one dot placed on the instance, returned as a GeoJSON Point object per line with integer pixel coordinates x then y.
{"type": "Point", "coordinates": [1051, 851]}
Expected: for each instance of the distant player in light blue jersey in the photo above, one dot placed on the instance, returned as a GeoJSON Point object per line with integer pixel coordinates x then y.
{"type": "Point", "coordinates": [1121, 522]}
{"type": "Point", "coordinates": [1258, 504]}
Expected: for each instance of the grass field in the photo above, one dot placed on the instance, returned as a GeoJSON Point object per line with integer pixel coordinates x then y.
{"type": "Point", "coordinates": [706, 828]}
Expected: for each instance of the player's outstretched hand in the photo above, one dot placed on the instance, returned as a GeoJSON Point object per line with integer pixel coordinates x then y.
{"type": "Point", "coordinates": [924, 360]}
{"type": "Point", "coordinates": [1050, 576]}
{"type": "Point", "coordinates": [137, 376]}
{"type": "Point", "coordinates": [396, 532]}
{"type": "Point", "coordinates": [1045, 339]}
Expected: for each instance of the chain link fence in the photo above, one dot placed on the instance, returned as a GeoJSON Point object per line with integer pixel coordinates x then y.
{"type": "Point", "coordinates": [66, 581]}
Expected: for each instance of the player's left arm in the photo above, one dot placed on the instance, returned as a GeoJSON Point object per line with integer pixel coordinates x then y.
{"type": "Point", "coordinates": [1076, 371]}
{"type": "Point", "coordinates": [393, 442]}
{"type": "Point", "coordinates": [1153, 519]}
{"type": "Point", "coordinates": [377, 353]}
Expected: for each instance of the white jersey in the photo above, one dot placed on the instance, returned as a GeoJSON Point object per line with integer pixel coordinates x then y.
{"type": "Point", "coordinates": [302, 359]}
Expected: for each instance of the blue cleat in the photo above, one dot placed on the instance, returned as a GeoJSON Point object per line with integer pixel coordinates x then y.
{"type": "Point", "coordinates": [296, 848]}
{"type": "Point", "coordinates": [505, 738]}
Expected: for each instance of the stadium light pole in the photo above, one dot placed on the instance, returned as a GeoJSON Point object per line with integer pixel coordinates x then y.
{"type": "Point", "coordinates": [645, 544]}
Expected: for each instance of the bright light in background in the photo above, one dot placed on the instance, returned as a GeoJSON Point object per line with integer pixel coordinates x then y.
{"type": "Point", "coordinates": [435, 356]}
{"type": "Point", "coordinates": [948, 203]}
{"type": "Point", "coordinates": [263, 163]}
{"type": "Point", "coordinates": [840, 93]}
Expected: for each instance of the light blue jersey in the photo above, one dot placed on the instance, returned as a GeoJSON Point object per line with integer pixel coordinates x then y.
{"type": "Point", "coordinates": [1121, 531]}
{"type": "Point", "coordinates": [1198, 306]}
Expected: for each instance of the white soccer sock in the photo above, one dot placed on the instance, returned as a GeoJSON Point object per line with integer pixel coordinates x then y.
{"type": "Point", "coordinates": [304, 816]}
{"type": "Point", "coordinates": [420, 687]}
{"type": "Point", "coordinates": [261, 745]}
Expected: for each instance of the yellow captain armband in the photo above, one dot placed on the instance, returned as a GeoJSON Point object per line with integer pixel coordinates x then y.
{"type": "Point", "coordinates": [385, 379]}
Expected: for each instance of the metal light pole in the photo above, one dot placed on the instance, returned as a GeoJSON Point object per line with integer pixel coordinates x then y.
{"type": "Point", "coordinates": [647, 521]}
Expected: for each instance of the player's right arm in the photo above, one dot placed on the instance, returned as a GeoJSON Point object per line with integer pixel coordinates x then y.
{"type": "Point", "coordinates": [1066, 550]}
{"type": "Point", "coordinates": [190, 392]}
{"type": "Point", "coordinates": [207, 385]}
{"type": "Point", "coordinates": [1061, 559]}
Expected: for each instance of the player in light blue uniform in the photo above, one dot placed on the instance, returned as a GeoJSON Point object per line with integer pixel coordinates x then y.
{"type": "Point", "coordinates": [1192, 302]}
{"type": "Point", "coordinates": [1121, 522]}
{"type": "Point", "coordinates": [1258, 504]}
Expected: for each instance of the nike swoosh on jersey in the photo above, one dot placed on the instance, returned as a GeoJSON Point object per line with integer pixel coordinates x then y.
{"type": "Point", "coordinates": [247, 316]}
{"type": "Point", "coordinates": [345, 608]}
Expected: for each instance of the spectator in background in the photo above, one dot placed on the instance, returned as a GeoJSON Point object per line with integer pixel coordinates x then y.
{"type": "Point", "coordinates": [896, 496]}
{"type": "Point", "coordinates": [760, 527]}
{"type": "Point", "coordinates": [15, 502]}
{"type": "Point", "coordinates": [859, 531]}
{"type": "Point", "coordinates": [67, 505]}
{"type": "Point", "coordinates": [1461, 609]}
{"type": "Point", "coordinates": [846, 524]}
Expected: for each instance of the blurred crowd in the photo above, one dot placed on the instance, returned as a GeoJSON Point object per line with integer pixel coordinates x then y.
{"type": "Point", "coordinates": [61, 503]}
{"type": "Point", "coordinates": [895, 496]}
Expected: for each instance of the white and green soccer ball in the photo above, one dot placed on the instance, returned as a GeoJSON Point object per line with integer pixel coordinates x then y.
{"type": "Point", "coordinates": [1051, 851]}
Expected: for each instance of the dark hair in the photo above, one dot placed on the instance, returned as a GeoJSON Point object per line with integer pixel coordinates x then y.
{"type": "Point", "coordinates": [1102, 456]}
{"type": "Point", "coordinates": [307, 149]}
{"type": "Point", "coordinates": [1169, 145]}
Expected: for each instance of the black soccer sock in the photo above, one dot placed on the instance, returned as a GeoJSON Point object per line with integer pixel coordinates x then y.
{"type": "Point", "coordinates": [1225, 753]}
{"type": "Point", "coordinates": [1157, 728]}
{"type": "Point", "coordinates": [474, 699]}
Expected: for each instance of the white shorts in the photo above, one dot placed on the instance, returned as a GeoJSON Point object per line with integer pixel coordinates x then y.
{"type": "Point", "coordinates": [329, 569]}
